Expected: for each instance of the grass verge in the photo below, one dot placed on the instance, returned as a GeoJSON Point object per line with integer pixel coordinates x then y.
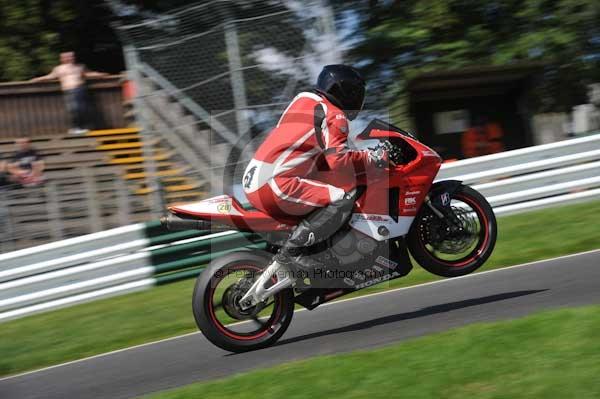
{"type": "Point", "coordinates": [554, 354]}
{"type": "Point", "coordinates": [88, 329]}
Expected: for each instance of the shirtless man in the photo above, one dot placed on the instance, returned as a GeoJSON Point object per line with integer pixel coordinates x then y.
{"type": "Point", "coordinates": [72, 82]}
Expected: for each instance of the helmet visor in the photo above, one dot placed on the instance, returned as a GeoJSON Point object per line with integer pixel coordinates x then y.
{"type": "Point", "coordinates": [355, 100]}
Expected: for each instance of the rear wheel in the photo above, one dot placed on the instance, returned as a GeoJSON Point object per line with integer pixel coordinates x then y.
{"type": "Point", "coordinates": [459, 243]}
{"type": "Point", "coordinates": [216, 304]}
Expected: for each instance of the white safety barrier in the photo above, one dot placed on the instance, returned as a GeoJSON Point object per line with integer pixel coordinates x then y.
{"type": "Point", "coordinates": [119, 261]}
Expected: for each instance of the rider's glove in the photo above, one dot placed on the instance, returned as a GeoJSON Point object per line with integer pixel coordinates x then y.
{"type": "Point", "coordinates": [379, 155]}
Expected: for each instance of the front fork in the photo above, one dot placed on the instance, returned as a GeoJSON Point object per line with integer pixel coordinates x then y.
{"type": "Point", "coordinates": [260, 292]}
{"type": "Point", "coordinates": [452, 221]}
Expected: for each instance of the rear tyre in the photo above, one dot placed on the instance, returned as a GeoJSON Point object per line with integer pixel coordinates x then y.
{"type": "Point", "coordinates": [447, 251]}
{"type": "Point", "coordinates": [216, 295]}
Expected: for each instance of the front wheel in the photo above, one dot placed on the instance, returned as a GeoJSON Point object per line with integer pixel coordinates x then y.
{"type": "Point", "coordinates": [459, 243]}
{"type": "Point", "coordinates": [216, 304]}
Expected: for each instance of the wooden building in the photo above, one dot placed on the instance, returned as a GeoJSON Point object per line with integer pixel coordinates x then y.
{"type": "Point", "coordinates": [443, 105]}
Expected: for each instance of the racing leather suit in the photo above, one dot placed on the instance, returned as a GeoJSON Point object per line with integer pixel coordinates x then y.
{"type": "Point", "coordinates": [293, 169]}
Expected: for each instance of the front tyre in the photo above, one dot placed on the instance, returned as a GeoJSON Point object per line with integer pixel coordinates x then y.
{"type": "Point", "coordinates": [215, 304]}
{"type": "Point", "coordinates": [459, 243]}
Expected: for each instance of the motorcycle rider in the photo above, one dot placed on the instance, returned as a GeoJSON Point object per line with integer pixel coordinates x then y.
{"type": "Point", "coordinates": [287, 174]}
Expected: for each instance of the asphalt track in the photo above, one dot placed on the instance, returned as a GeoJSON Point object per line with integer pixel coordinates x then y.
{"type": "Point", "coordinates": [359, 323]}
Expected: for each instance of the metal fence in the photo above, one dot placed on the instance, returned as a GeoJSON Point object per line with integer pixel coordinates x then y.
{"type": "Point", "coordinates": [81, 201]}
{"type": "Point", "coordinates": [37, 109]}
{"type": "Point", "coordinates": [210, 75]}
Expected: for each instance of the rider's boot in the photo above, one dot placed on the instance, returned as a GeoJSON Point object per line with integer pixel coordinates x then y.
{"type": "Point", "coordinates": [318, 226]}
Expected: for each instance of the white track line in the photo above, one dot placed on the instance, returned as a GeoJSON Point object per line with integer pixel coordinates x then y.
{"type": "Point", "coordinates": [300, 310]}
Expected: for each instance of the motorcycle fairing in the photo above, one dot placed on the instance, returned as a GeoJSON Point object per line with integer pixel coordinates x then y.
{"type": "Point", "coordinates": [224, 209]}
{"type": "Point", "coordinates": [398, 265]}
{"type": "Point", "coordinates": [385, 210]}
{"type": "Point", "coordinates": [389, 206]}
{"type": "Point", "coordinates": [381, 227]}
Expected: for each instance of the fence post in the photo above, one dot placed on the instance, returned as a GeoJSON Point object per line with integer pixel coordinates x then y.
{"type": "Point", "coordinates": [123, 209]}
{"type": "Point", "coordinates": [93, 205]}
{"type": "Point", "coordinates": [6, 230]}
{"type": "Point", "coordinates": [53, 208]}
{"type": "Point", "coordinates": [236, 75]}
{"type": "Point", "coordinates": [133, 65]}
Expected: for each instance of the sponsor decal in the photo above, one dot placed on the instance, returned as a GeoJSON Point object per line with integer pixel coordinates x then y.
{"type": "Point", "coordinates": [385, 262]}
{"type": "Point", "coordinates": [310, 240]}
{"type": "Point", "coordinates": [377, 280]}
{"type": "Point", "coordinates": [409, 209]}
{"type": "Point", "coordinates": [429, 153]}
{"type": "Point", "coordinates": [216, 200]}
{"type": "Point", "coordinates": [349, 281]}
{"type": "Point", "coordinates": [224, 207]}
{"type": "Point", "coordinates": [410, 201]}
{"type": "Point", "coordinates": [445, 199]}
{"type": "Point", "coordinates": [371, 218]}
{"type": "Point", "coordinates": [359, 276]}
{"type": "Point", "coordinates": [249, 176]}
{"type": "Point", "coordinates": [412, 192]}
{"type": "Point", "coordinates": [340, 116]}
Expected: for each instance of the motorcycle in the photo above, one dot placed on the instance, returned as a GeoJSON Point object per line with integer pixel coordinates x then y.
{"type": "Point", "coordinates": [243, 301]}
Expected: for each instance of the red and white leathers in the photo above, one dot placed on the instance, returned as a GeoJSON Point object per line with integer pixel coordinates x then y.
{"type": "Point", "coordinates": [293, 169]}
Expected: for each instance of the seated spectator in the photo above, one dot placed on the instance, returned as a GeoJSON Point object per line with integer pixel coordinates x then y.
{"type": "Point", "coordinates": [4, 175]}
{"type": "Point", "coordinates": [27, 167]}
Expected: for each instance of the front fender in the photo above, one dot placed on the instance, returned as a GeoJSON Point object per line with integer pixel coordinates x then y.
{"type": "Point", "coordinates": [441, 192]}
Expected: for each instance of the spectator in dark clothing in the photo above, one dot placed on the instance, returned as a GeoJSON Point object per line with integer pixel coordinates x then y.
{"type": "Point", "coordinates": [4, 175]}
{"type": "Point", "coordinates": [27, 167]}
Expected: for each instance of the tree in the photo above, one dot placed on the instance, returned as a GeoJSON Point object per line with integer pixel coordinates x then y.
{"type": "Point", "coordinates": [34, 32]}
{"type": "Point", "coordinates": [401, 39]}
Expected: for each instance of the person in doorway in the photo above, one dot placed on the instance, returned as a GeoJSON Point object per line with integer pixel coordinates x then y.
{"type": "Point", "coordinates": [482, 138]}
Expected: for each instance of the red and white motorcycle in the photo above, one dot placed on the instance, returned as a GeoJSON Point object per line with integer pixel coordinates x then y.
{"type": "Point", "coordinates": [243, 302]}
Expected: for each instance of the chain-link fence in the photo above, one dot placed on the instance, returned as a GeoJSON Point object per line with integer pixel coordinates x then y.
{"type": "Point", "coordinates": [230, 66]}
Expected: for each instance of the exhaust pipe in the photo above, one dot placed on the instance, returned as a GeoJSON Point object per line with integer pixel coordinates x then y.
{"type": "Point", "coordinates": [174, 223]}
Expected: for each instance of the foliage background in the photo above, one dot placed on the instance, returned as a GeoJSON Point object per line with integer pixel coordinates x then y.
{"type": "Point", "coordinates": [391, 41]}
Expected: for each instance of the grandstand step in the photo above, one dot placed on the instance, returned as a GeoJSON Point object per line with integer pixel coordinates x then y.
{"type": "Point", "coordinates": [139, 168]}
{"type": "Point", "coordinates": [179, 181]}
{"type": "Point", "coordinates": [182, 197]}
{"type": "Point", "coordinates": [116, 139]}
{"type": "Point", "coordinates": [138, 160]}
{"type": "Point", "coordinates": [175, 179]}
{"type": "Point", "coordinates": [87, 159]}
{"type": "Point", "coordinates": [106, 147]}
{"type": "Point", "coordinates": [111, 132]}
{"type": "Point", "coordinates": [181, 187]}
{"type": "Point", "coordinates": [143, 175]}
{"type": "Point", "coordinates": [132, 151]}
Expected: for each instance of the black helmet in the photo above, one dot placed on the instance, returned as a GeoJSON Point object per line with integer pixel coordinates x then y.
{"type": "Point", "coordinates": [344, 87]}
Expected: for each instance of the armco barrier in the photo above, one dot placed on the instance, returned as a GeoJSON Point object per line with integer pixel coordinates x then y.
{"type": "Point", "coordinates": [137, 257]}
